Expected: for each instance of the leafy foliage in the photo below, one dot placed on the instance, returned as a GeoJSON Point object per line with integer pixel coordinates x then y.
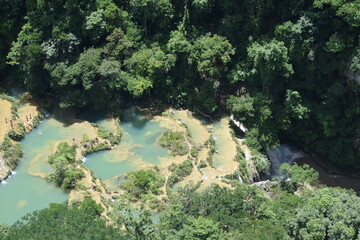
{"type": "Point", "coordinates": [66, 174]}
{"type": "Point", "coordinates": [12, 152]}
{"type": "Point", "coordinates": [329, 214]}
{"type": "Point", "coordinates": [286, 69]}
{"type": "Point", "coordinates": [297, 176]}
{"type": "Point", "coordinates": [179, 171]}
{"type": "Point", "coordinates": [142, 182]}
{"type": "Point", "coordinates": [175, 142]}
{"type": "Point", "coordinates": [60, 222]}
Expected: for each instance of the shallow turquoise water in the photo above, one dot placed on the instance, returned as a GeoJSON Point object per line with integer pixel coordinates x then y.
{"type": "Point", "coordinates": [138, 144]}
{"type": "Point", "coordinates": [23, 193]}
{"type": "Point", "coordinates": [105, 168]}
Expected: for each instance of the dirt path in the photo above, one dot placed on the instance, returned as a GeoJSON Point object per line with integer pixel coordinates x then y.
{"type": "Point", "coordinates": [5, 112]}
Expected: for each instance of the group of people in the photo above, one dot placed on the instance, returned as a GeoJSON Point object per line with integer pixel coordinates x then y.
{"type": "Point", "coordinates": [12, 123]}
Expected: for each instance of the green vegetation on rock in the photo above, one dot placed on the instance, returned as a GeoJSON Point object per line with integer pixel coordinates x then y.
{"type": "Point", "coordinates": [175, 142]}
{"type": "Point", "coordinates": [65, 174]}
{"type": "Point", "coordinates": [12, 152]}
{"type": "Point", "coordinates": [179, 171]}
{"type": "Point", "coordinates": [143, 182]}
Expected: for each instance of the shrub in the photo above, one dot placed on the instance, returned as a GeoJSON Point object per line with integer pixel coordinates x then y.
{"type": "Point", "coordinates": [142, 182]}
{"type": "Point", "coordinates": [36, 120]}
{"type": "Point", "coordinates": [21, 128]}
{"type": "Point", "coordinates": [180, 171]}
{"type": "Point", "coordinates": [175, 142]}
{"type": "Point", "coordinates": [16, 136]}
{"type": "Point", "coordinates": [202, 164]}
{"type": "Point", "coordinates": [210, 143]}
{"type": "Point", "coordinates": [66, 175]}
{"type": "Point", "coordinates": [12, 152]}
{"type": "Point", "coordinates": [103, 133]}
{"type": "Point", "coordinates": [14, 110]}
{"type": "Point", "coordinates": [71, 176]}
{"type": "Point", "coordinates": [194, 152]}
{"type": "Point", "coordinates": [296, 176]}
{"type": "Point", "coordinates": [243, 170]}
{"type": "Point", "coordinates": [96, 148]}
{"type": "Point", "coordinates": [261, 163]}
{"type": "Point", "coordinates": [114, 139]}
{"type": "Point", "coordinates": [85, 138]}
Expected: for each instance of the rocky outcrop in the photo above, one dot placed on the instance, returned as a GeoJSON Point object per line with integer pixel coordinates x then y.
{"type": "Point", "coordinates": [265, 185]}
{"type": "Point", "coordinates": [4, 170]}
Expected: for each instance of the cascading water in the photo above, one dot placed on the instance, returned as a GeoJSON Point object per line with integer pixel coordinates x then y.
{"type": "Point", "coordinates": [282, 154]}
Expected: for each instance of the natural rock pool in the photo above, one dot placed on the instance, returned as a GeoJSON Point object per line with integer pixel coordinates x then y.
{"type": "Point", "coordinates": [27, 190]}
{"type": "Point", "coordinates": [138, 148]}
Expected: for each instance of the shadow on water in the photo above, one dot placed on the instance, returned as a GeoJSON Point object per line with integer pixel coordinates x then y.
{"type": "Point", "coordinates": [136, 117]}
{"type": "Point", "coordinates": [93, 116]}
{"type": "Point", "coordinates": [331, 180]}
{"type": "Point", "coordinates": [66, 117]}
{"type": "Point", "coordinates": [138, 147]}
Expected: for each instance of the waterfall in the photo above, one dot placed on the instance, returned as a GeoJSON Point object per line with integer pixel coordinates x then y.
{"type": "Point", "coordinates": [282, 154]}
{"type": "Point", "coordinates": [238, 124]}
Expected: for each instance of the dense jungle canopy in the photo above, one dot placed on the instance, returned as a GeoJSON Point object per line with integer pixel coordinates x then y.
{"type": "Point", "coordinates": [287, 69]}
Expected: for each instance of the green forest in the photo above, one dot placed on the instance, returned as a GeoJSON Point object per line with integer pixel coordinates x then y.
{"type": "Point", "coordinates": [288, 70]}
{"type": "Point", "coordinates": [244, 213]}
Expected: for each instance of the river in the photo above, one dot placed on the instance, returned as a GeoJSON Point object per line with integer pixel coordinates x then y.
{"type": "Point", "coordinates": [26, 190]}
{"type": "Point", "coordinates": [23, 192]}
{"type": "Point", "coordinates": [290, 154]}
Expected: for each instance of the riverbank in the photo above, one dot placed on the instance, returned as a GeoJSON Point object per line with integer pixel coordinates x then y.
{"type": "Point", "coordinates": [15, 122]}
{"type": "Point", "coordinates": [211, 150]}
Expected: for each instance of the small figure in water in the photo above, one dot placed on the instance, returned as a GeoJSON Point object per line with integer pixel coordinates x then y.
{"type": "Point", "coordinates": [73, 139]}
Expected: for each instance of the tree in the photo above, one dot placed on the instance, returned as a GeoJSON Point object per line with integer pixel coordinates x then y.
{"type": "Point", "coordinates": [294, 106]}
{"type": "Point", "coordinates": [347, 10]}
{"type": "Point", "coordinates": [66, 174]}
{"type": "Point", "coordinates": [27, 53]}
{"type": "Point", "coordinates": [211, 54]}
{"type": "Point", "coordinates": [60, 222]}
{"type": "Point", "coordinates": [137, 222]}
{"type": "Point", "coordinates": [330, 214]}
{"type": "Point", "coordinates": [146, 68]}
{"type": "Point", "coordinates": [261, 163]}
{"type": "Point", "coordinates": [142, 182]}
{"type": "Point", "coordinates": [297, 176]}
{"type": "Point", "coordinates": [202, 228]}
{"type": "Point", "coordinates": [153, 15]}
{"type": "Point", "coordinates": [242, 107]}
{"type": "Point", "coordinates": [262, 229]}
{"type": "Point", "coordinates": [271, 61]}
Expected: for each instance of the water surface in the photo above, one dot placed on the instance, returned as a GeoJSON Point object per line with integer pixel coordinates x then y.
{"type": "Point", "coordinates": [138, 147]}
{"type": "Point", "coordinates": [23, 193]}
